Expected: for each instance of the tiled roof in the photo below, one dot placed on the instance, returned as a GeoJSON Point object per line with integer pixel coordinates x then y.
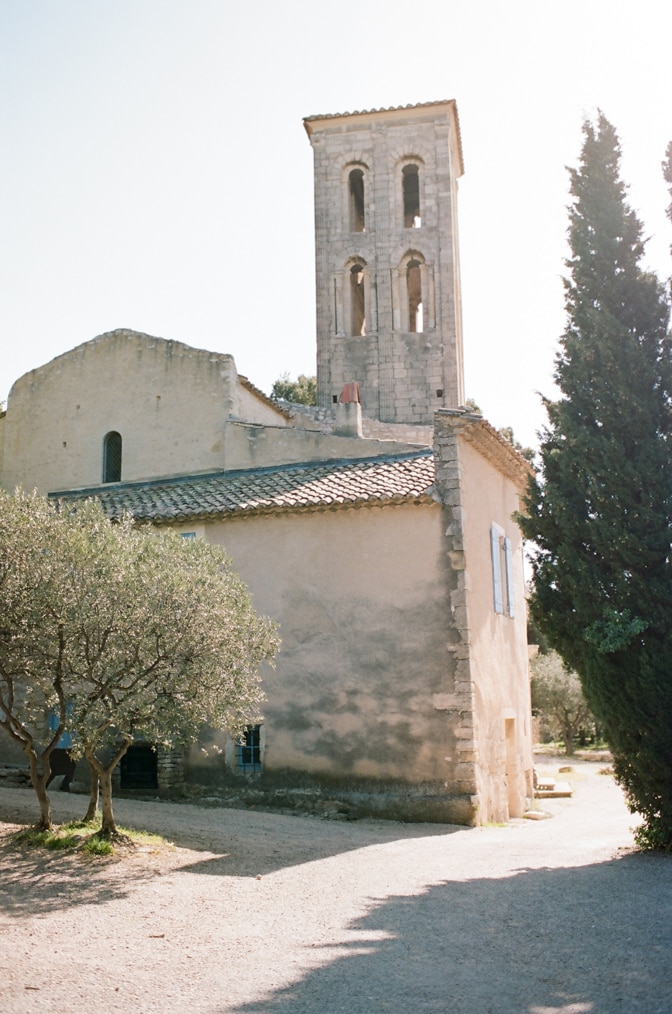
{"type": "Point", "coordinates": [385, 109]}
{"type": "Point", "coordinates": [310, 486]}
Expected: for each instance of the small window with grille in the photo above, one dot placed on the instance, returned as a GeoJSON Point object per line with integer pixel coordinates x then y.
{"type": "Point", "coordinates": [249, 750]}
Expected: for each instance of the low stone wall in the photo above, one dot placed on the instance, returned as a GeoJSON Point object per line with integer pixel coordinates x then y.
{"type": "Point", "coordinates": [393, 801]}
{"type": "Point", "coordinates": [15, 777]}
{"type": "Point", "coordinates": [170, 770]}
{"type": "Point", "coordinates": [410, 804]}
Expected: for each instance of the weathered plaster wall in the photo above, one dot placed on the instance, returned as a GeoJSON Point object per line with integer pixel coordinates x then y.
{"type": "Point", "coordinates": [499, 656]}
{"type": "Point", "coordinates": [361, 597]}
{"type": "Point", "coordinates": [168, 401]}
{"type": "Point", "coordinates": [11, 752]}
{"type": "Point", "coordinates": [255, 408]}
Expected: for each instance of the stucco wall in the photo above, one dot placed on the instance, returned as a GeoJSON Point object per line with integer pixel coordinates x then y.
{"type": "Point", "coordinates": [256, 408]}
{"type": "Point", "coordinates": [499, 660]}
{"type": "Point", "coordinates": [362, 604]}
{"type": "Point", "coordinates": [168, 401]}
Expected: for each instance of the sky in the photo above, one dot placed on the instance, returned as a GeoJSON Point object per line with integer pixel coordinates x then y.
{"type": "Point", "coordinates": [156, 174]}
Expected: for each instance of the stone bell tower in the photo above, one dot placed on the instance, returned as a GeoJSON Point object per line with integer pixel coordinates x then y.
{"type": "Point", "coordinates": [387, 264]}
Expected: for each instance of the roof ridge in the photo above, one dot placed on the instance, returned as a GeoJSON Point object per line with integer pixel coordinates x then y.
{"type": "Point", "coordinates": [379, 109]}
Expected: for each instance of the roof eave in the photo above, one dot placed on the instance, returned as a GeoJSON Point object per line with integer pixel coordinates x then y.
{"type": "Point", "coordinates": [311, 123]}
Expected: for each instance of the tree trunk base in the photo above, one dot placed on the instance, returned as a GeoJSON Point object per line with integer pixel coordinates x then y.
{"type": "Point", "coordinates": [114, 837]}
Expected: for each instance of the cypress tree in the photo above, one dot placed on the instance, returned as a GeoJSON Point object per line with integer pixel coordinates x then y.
{"type": "Point", "coordinates": [667, 173]}
{"type": "Point", "coordinates": [599, 509]}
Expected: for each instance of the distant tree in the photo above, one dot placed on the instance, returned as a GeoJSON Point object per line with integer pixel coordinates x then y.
{"type": "Point", "coordinates": [535, 636]}
{"type": "Point", "coordinates": [558, 696]}
{"type": "Point", "coordinates": [599, 512]}
{"type": "Point", "coordinates": [302, 391]}
{"type": "Point", "coordinates": [506, 431]}
{"type": "Point", "coordinates": [118, 633]}
{"type": "Point", "coordinates": [527, 452]}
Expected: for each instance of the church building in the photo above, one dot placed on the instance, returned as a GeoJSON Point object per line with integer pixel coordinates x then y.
{"type": "Point", "coordinates": [377, 528]}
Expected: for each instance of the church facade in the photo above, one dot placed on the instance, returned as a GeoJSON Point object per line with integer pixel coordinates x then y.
{"type": "Point", "coordinates": [379, 531]}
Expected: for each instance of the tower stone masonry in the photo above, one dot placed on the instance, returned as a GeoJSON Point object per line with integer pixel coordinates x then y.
{"type": "Point", "coordinates": [387, 264]}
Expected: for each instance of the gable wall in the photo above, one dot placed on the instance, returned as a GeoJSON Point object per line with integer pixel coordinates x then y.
{"type": "Point", "coordinates": [253, 408]}
{"type": "Point", "coordinates": [168, 401]}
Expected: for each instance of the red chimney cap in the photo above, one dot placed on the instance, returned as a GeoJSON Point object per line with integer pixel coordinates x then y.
{"type": "Point", "coordinates": [350, 393]}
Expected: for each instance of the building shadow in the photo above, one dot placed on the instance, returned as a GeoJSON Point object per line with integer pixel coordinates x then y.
{"type": "Point", "coordinates": [587, 940]}
{"type": "Point", "coordinates": [293, 841]}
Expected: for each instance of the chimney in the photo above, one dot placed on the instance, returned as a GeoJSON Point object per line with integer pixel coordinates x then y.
{"type": "Point", "coordinates": [349, 412]}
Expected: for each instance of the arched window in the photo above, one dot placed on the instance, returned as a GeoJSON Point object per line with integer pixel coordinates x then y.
{"type": "Point", "coordinates": [410, 184]}
{"type": "Point", "coordinates": [357, 303]}
{"type": "Point", "coordinates": [414, 290]}
{"type": "Point", "coordinates": [112, 457]}
{"type": "Point", "coordinates": [356, 200]}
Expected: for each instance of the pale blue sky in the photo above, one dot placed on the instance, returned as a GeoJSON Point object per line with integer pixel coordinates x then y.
{"type": "Point", "coordinates": [156, 174]}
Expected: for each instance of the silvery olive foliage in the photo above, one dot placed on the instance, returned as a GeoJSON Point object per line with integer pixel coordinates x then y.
{"type": "Point", "coordinates": [119, 632]}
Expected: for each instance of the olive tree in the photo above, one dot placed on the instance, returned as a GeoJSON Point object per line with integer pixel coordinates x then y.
{"type": "Point", "coordinates": [119, 633]}
{"type": "Point", "coordinates": [557, 694]}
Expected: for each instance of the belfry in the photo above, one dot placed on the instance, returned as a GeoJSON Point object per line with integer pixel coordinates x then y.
{"type": "Point", "coordinates": [387, 265]}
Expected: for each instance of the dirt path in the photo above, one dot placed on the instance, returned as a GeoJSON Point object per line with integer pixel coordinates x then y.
{"type": "Point", "coordinates": [256, 913]}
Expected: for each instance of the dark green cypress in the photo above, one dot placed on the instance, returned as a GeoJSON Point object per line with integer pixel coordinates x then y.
{"type": "Point", "coordinates": [667, 173]}
{"type": "Point", "coordinates": [599, 510]}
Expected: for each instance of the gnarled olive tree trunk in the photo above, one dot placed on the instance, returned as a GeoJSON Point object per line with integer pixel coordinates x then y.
{"type": "Point", "coordinates": [94, 792]}
{"type": "Point", "coordinates": [39, 783]}
{"type": "Point", "coordinates": [102, 774]}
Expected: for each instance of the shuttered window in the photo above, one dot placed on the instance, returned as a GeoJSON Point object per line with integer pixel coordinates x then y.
{"type": "Point", "coordinates": [502, 572]}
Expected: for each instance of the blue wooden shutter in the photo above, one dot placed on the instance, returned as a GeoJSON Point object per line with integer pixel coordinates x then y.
{"type": "Point", "coordinates": [508, 558]}
{"type": "Point", "coordinates": [496, 570]}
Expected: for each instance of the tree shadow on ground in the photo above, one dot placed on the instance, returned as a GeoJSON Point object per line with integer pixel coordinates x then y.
{"type": "Point", "coordinates": [35, 881]}
{"type": "Point", "coordinates": [587, 940]}
{"type": "Point", "coordinates": [238, 843]}
{"type": "Point", "coordinates": [244, 842]}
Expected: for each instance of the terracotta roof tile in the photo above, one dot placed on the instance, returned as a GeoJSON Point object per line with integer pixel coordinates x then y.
{"type": "Point", "coordinates": [384, 109]}
{"type": "Point", "coordinates": [310, 486]}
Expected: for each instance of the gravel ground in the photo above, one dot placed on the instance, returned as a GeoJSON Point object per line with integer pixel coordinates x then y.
{"type": "Point", "coordinates": [256, 913]}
